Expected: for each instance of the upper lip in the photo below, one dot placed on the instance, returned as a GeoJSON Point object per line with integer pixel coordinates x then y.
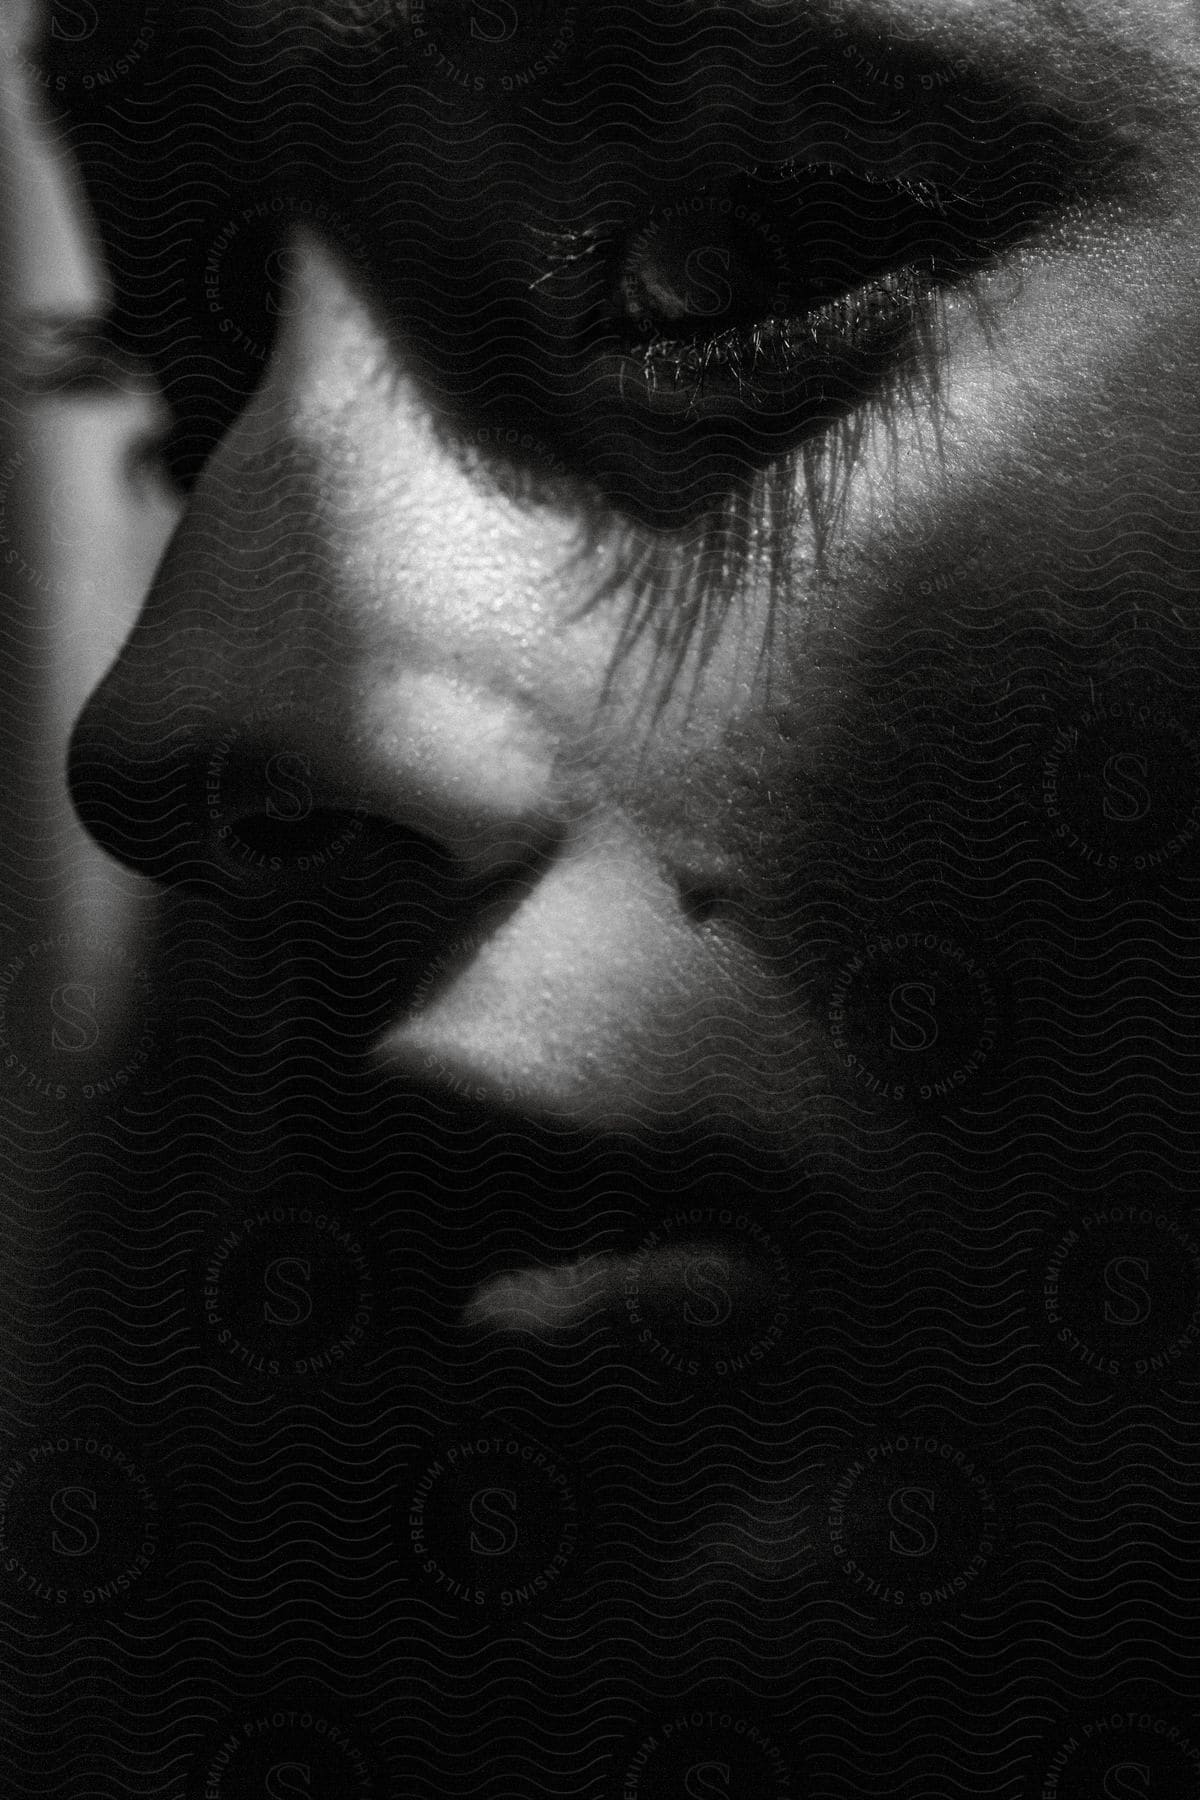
{"type": "Point", "coordinates": [281, 1047]}
{"type": "Point", "coordinates": [526, 1190]}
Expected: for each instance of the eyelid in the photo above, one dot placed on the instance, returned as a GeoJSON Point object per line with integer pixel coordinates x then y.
{"type": "Point", "coordinates": [946, 193]}
{"type": "Point", "coordinates": [983, 156]}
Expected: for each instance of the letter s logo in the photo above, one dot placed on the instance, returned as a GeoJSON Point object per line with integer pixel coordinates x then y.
{"type": "Point", "coordinates": [706, 282]}
{"type": "Point", "coordinates": [74, 1006]}
{"type": "Point", "coordinates": [287, 1279]}
{"type": "Point", "coordinates": [74, 24]}
{"type": "Point", "coordinates": [75, 1507]}
{"type": "Point", "coordinates": [703, 1279]}
{"type": "Point", "coordinates": [1127, 1781]}
{"type": "Point", "coordinates": [912, 1510]}
{"type": "Point", "coordinates": [708, 1781]}
{"type": "Point", "coordinates": [1119, 1280]}
{"type": "Point", "coordinates": [281, 269]}
{"type": "Point", "coordinates": [915, 1027]}
{"type": "Point", "coordinates": [498, 1522]}
{"type": "Point", "coordinates": [287, 1779]}
{"type": "Point", "coordinates": [1126, 800]}
{"type": "Point", "coordinates": [501, 14]}
{"type": "Point", "coordinates": [290, 798]}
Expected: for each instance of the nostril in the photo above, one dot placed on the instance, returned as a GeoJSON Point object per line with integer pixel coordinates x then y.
{"type": "Point", "coordinates": [307, 840]}
{"type": "Point", "coordinates": [343, 851]}
{"type": "Point", "coordinates": [272, 796]}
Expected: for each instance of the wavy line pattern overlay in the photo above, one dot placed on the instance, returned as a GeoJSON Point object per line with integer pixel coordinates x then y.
{"type": "Point", "coordinates": [625, 1234]}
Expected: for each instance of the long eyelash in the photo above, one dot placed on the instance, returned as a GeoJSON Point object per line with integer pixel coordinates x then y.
{"type": "Point", "coordinates": [565, 247]}
{"type": "Point", "coordinates": [773, 531]}
{"type": "Point", "coordinates": [679, 589]}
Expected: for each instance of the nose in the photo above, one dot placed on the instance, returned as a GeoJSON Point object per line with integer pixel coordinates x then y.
{"type": "Point", "coordinates": [310, 674]}
{"type": "Point", "coordinates": [363, 636]}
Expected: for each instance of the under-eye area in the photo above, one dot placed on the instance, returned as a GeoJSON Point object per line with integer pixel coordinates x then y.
{"type": "Point", "coordinates": [675, 331]}
{"type": "Point", "coordinates": [702, 362]}
{"type": "Point", "coordinates": [748, 315]}
{"type": "Point", "coordinates": [599, 996]}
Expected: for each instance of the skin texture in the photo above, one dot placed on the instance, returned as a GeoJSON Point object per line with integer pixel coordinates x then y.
{"type": "Point", "coordinates": [726, 971]}
{"type": "Point", "coordinates": [452, 655]}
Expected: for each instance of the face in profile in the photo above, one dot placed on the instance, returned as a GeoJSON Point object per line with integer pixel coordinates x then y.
{"type": "Point", "coordinates": [703, 561]}
{"type": "Point", "coordinates": [668, 736]}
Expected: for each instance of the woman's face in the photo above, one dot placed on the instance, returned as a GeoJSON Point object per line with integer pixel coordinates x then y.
{"type": "Point", "coordinates": [712, 551]}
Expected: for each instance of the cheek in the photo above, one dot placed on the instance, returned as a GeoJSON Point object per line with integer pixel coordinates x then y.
{"type": "Point", "coordinates": [1061, 450]}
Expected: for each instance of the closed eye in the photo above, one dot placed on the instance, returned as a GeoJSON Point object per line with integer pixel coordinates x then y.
{"type": "Point", "coordinates": [739, 317]}
{"type": "Point", "coordinates": [517, 259]}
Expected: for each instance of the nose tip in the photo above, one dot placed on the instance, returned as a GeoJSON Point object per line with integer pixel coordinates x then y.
{"type": "Point", "coordinates": [134, 800]}
{"type": "Point", "coordinates": [281, 794]}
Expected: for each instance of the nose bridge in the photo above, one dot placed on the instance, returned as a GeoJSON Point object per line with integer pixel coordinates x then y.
{"type": "Point", "coordinates": [362, 650]}
{"type": "Point", "coordinates": [324, 616]}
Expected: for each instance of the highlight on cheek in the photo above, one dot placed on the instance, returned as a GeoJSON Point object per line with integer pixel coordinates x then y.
{"type": "Point", "coordinates": [726, 357]}
{"type": "Point", "coordinates": [764, 541]}
{"type": "Point", "coordinates": [702, 347]}
{"type": "Point", "coordinates": [702, 508]}
{"type": "Point", "coordinates": [620, 1220]}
